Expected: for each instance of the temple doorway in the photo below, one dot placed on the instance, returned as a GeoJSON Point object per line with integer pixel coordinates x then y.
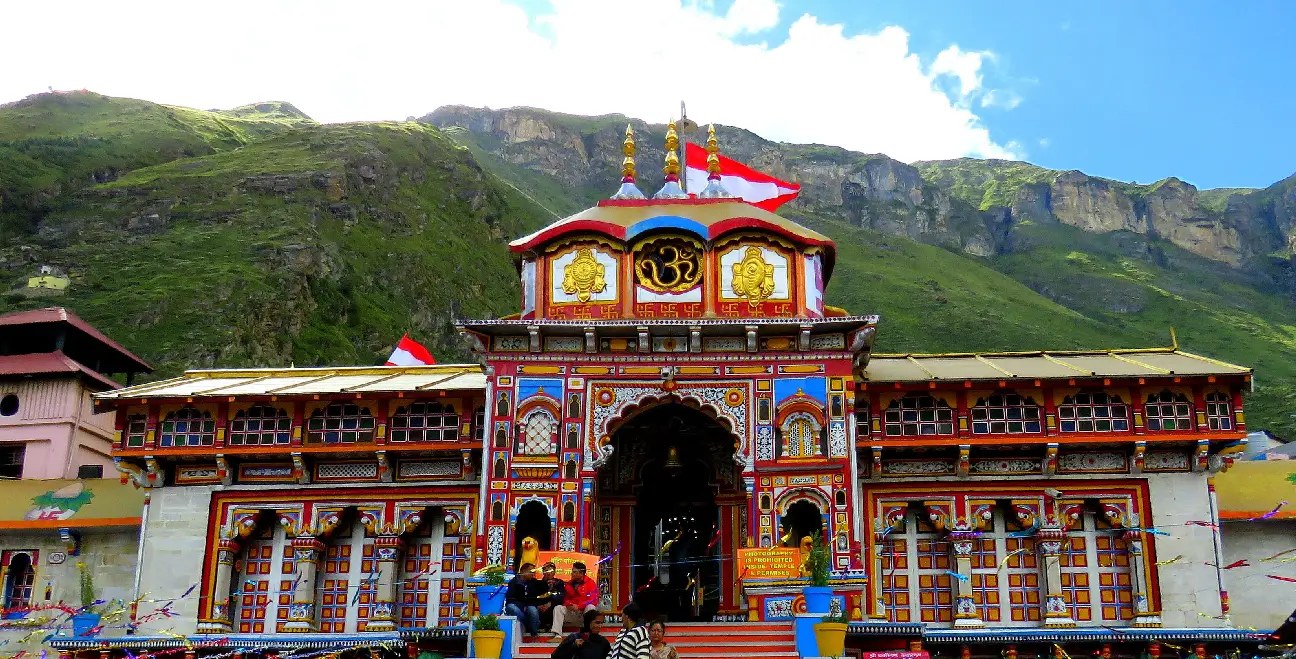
{"type": "Point", "coordinates": [674, 468]}
{"type": "Point", "coordinates": [533, 526]}
{"type": "Point", "coordinates": [803, 519]}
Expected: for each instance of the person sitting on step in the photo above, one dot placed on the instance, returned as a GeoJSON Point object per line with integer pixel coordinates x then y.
{"type": "Point", "coordinates": [581, 596]}
{"type": "Point", "coordinates": [587, 643]}
{"type": "Point", "coordinates": [524, 596]}
{"type": "Point", "coordinates": [557, 591]}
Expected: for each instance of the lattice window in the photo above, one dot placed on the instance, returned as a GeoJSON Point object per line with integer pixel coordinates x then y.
{"type": "Point", "coordinates": [19, 577]}
{"type": "Point", "coordinates": [188, 426]}
{"type": "Point", "coordinates": [1097, 584]}
{"type": "Point", "coordinates": [537, 434]}
{"type": "Point", "coordinates": [136, 430]}
{"type": "Point", "coordinates": [420, 586]}
{"type": "Point", "coordinates": [916, 566]}
{"type": "Point", "coordinates": [263, 591]}
{"type": "Point", "coordinates": [1168, 411]}
{"type": "Point", "coordinates": [261, 425]}
{"type": "Point", "coordinates": [1006, 414]}
{"type": "Point", "coordinates": [1093, 412]}
{"type": "Point", "coordinates": [1005, 576]}
{"type": "Point", "coordinates": [862, 421]}
{"type": "Point", "coordinates": [341, 423]}
{"type": "Point", "coordinates": [348, 581]}
{"type": "Point", "coordinates": [801, 436]}
{"type": "Point", "coordinates": [479, 424]}
{"type": "Point", "coordinates": [1219, 411]}
{"type": "Point", "coordinates": [912, 416]}
{"type": "Point", "coordinates": [425, 421]}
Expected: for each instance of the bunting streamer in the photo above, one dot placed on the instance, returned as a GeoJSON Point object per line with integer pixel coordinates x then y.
{"type": "Point", "coordinates": [1169, 561]}
{"type": "Point", "coordinates": [1004, 563]}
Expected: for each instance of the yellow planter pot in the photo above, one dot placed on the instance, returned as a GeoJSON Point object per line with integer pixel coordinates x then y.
{"type": "Point", "coordinates": [488, 644]}
{"type": "Point", "coordinates": [831, 637]}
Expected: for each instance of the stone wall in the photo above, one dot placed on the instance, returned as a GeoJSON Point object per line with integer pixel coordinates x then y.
{"type": "Point", "coordinates": [174, 547]}
{"type": "Point", "coordinates": [110, 556]}
{"type": "Point", "coordinates": [1255, 600]}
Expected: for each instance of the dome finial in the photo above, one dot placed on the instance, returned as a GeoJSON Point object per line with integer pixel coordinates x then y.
{"type": "Point", "coordinates": [714, 188]}
{"type": "Point", "coordinates": [671, 189]}
{"type": "Point", "coordinates": [628, 189]}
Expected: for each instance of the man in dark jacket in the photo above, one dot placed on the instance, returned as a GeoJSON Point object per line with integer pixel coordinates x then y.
{"type": "Point", "coordinates": [523, 598]}
{"type": "Point", "coordinates": [557, 590]}
{"type": "Point", "coordinates": [587, 643]}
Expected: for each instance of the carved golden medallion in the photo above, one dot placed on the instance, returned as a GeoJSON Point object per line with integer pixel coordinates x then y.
{"type": "Point", "coordinates": [753, 278]}
{"type": "Point", "coordinates": [584, 276]}
{"type": "Point", "coordinates": [669, 266]}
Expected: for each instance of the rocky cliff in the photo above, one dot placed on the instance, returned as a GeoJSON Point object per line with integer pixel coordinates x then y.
{"type": "Point", "coordinates": [968, 205]}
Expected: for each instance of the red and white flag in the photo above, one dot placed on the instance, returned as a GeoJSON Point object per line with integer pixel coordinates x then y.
{"type": "Point", "coordinates": [410, 353]}
{"type": "Point", "coordinates": [760, 190]}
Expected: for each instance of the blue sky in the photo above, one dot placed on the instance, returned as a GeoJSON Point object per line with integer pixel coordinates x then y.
{"type": "Point", "coordinates": [1128, 90]}
{"type": "Point", "coordinates": [1135, 91]}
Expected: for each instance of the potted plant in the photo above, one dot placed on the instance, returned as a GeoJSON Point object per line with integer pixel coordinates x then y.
{"type": "Point", "coordinates": [85, 622]}
{"type": "Point", "coordinates": [488, 640]}
{"type": "Point", "coordinates": [818, 595]}
{"type": "Point", "coordinates": [490, 597]}
{"type": "Point", "coordinates": [830, 634]}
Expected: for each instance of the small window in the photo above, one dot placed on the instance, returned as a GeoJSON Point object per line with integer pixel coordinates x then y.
{"type": "Point", "coordinates": [136, 430]}
{"type": "Point", "coordinates": [1006, 414]}
{"type": "Point", "coordinates": [419, 422]}
{"type": "Point", "coordinates": [1168, 411]}
{"type": "Point", "coordinates": [862, 424]}
{"type": "Point", "coordinates": [11, 460]}
{"type": "Point", "coordinates": [918, 415]}
{"type": "Point", "coordinates": [1093, 412]}
{"type": "Point", "coordinates": [536, 434]}
{"type": "Point", "coordinates": [9, 405]}
{"type": "Point", "coordinates": [20, 574]}
{"type": "Point", "coordinates": [187, 427]}
{"type": "Point", "coordinates": [341, 423]}
{"type": "Point", "coordinates": [479, 424]}
{"type": "Point", "coordinates": [90, 471]}
{"type": "Point", "coordinates": [260, 425]}
{"type": "Point", "coordinates": [1219, 411]}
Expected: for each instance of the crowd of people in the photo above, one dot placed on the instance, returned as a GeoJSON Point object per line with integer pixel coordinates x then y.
{"type": "Point", "coordinates": [535, 600]}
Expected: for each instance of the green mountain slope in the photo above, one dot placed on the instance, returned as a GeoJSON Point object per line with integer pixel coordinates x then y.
{"type": "Point", "coordinates": [255, 236]}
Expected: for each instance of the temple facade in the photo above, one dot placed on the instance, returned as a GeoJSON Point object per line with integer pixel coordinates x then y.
{"type": "Point", "coordinates": [673, 390]}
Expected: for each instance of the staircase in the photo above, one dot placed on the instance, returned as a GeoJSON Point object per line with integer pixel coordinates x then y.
{"type": "Point", "coordinates": [706, 640]}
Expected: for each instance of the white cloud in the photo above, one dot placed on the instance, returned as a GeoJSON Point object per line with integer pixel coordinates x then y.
{"type": "Point", "coordinates": [998, 98]}
{"type": "Point", "coordinates": [1044, 142]}
{"type": "Point", "coordinates": [388, 59]}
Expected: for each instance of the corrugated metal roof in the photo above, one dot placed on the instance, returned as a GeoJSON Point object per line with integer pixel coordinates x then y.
{"type": "Point", "coordinates": [307, 381]}
{"type": "Point", "coordinates": [1044, 365]}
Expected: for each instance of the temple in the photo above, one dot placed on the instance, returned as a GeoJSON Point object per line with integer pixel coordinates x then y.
{"type": "Point", "coordinates": [675, 390]}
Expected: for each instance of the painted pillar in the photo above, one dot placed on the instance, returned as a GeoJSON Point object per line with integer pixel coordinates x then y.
{"type": "Point", "coordinates": [966, 614]}
{"type": "Point", "coordinates": [221, 615]}
{"type": "Point", "coordinates": [382, 615]}
{"type": "Point", "coordinates": [1143, 615]}
{"type": "Point", "coordinates": [307, 551]}
{"type": "Point", "coordinates": [1056, 613]}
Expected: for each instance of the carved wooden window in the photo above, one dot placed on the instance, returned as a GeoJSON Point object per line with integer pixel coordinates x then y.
{"type": "Point", "coordinates": [917, 415]}
{"type": "Point", "coordinates": [260, 425]}
{"type": "Point", "coordinates": [801, 436]}
{"type": "Point", "coordinates": [341, 423]}
{"type": "Point", "coordinates": [420, 584]}
{"type": "Point", "coordinates": [862, 421]}
{"type": "Point", "coordinates": [188, 427]}
{"type": "Point", "coordinates": [916, 582]}
{"type": "Point", "coordinates": [1094, 565]}
{"type": "Point", "coordinates": [264, 574]}
{"type": "Point", "coordinates": [425, 421]}
{"type": "Point", "coordinates": [479, 424]}
{"type": "Point", "coordinates": [537, 433]}
{"type": "Point", "coordinates": [20, 575]}
{"type": "Point", "coordinates": [1168, 411]}
{"type": "Point", "coordinates": [1095, 411]}
{"type": "Point", "coordinates": [1006, 414]}
{"type": "Point", "coordinates": [136, 430]}
{"type": "Point", "coordinates": [348, 587]}
{"type": "Point", "coordinates": [1219, 411]}
{"type": "Point", "coordinates": [1005, 575]}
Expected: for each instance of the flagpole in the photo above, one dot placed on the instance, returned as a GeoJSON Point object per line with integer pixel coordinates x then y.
{"type": "Point", "coordinates": [685, 128]}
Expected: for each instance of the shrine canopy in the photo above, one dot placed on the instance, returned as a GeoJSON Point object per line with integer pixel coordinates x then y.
{"type": "Point", "coordinates": [677, 255]}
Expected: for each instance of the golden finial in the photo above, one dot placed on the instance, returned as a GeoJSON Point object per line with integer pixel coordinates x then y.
{"type": "Point", "coordinates": [628, 189]}
{"type": "Point", "coordinates": [672, 168]}
{"type": "Point", "coordinates": [713, 153]}
{"type": "Point", "coordinates": [628, 166]}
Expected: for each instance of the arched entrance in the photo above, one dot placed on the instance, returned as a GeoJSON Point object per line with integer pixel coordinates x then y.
{"type": "Point", "coordinates": [533, 523]}
{"type": "Point", "coordinates": [673, 477]}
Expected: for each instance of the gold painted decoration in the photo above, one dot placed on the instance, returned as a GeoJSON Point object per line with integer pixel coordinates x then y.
{"type": "Point", "coordinates": [669, 266]}
{"type": "Point", "coordinates": [584, 276]}
{"type": "Point", "coordinates": [753, 278]}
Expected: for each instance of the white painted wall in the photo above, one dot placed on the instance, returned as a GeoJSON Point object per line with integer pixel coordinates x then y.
{"type": "Point", "coordinates": [174, 548]}
{"type": "Point", "coordinates": [1255, 600]}
{"type": "Point", "coordinates": [1189, 587]}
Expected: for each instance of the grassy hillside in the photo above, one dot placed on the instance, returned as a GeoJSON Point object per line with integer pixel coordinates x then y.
{"type": "Point", "coordinates": [255, 236]}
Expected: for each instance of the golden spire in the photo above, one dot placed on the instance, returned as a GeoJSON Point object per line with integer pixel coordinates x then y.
{"type": "Point", "coordinates": [671, 189]}
{"type": "Point", "coordinates": [628, 189]}
{"type": "Point", "coordinates": [672, 168]}
{"type": "Point", "coordinates": [714, 188]}
{"type": "Point", "coordinates": [628, 166]}
{"type": "Point", "coordinates": [713, 153]}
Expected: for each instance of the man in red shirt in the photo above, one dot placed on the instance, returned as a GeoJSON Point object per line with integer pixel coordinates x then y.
{"type": "Point", "coordinates": [581, 595]}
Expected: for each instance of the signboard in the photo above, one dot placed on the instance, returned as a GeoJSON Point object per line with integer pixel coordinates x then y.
{"type": "Point", "coordinates": [563, 560]}
{"type": "Point", "coordinates": [769, 563]}
{"type": "Point", "coordinates": [894, 655]}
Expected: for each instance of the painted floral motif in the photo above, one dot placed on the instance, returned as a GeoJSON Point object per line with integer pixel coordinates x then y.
{"type": "Point", "coordinates": [837, 439]}
{"type": "Point", "coordinates": [1092, 462]}
{"type": "Point", "coordinates": [495, 545]}
{"type": "Point", "coordinates": [778, 609]}
{"type": "Point", "coordinates": [917, 467]}
{"type": "Point", "coordinates": [1165, 461]}
{"type": "Point", "coordinates": [567, 539]}
{"type": "Point", "coordinates": [1008, 466]}
{"type": "Point", "coordinates": [764, 443]}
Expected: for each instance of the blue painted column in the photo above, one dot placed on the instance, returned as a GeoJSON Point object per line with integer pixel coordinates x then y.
{"type": "Point", "coordinates": [803, 627]}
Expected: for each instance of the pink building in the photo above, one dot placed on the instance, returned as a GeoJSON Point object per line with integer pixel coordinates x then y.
{"type": "Point", "coordinates": [50, 363]}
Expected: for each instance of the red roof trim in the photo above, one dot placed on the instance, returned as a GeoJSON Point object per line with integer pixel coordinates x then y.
{"type": "Point", "coordinates": [737, 223]}
{"type": "Point", "coordinates": [48, 363]}
{"type": "Point", "coordinates": [554, 230]}
{"type": "Point", "coordinates": [62, 315]}
{"type": "Point", "coordinates": [692, 201]}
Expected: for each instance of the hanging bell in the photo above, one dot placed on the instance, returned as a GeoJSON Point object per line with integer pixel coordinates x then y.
{"type": "Point", "coordinates": [672, 459]}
